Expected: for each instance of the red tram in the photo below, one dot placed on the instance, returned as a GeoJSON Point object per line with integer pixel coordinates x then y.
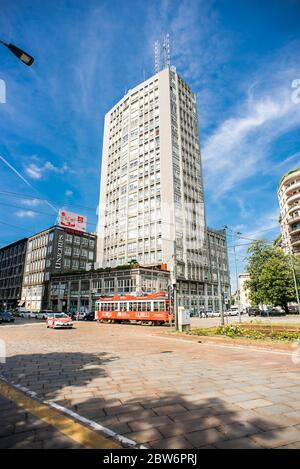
{"type": "Point", "coordinates": [153, 309]}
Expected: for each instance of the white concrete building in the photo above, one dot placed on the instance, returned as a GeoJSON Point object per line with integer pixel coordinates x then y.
{"type": "Point", "coordinates": [289, 202]}
{"type": "Point", "coordinates": [151, 196]}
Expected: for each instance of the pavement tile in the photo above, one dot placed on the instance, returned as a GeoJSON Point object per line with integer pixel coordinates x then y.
{"type": "Point", "coordinates": [138, 425]}
{"type": "Point", "coordinates": [237, 443]}
{"type": "Point", "coordinates": [277, 438]}
{"type": "Point", "coordinates": [254, 403]}
{"type": "Point", "coordinates": [145, 436]}
{"type": "Point", "coordinates": [204, 437]}
{"type": "Point", "coordinates": [177, 442]}
{"type": "Point", "coordinates": [274, 409]}
{"type": "Point", "coordinates": [238, 430]}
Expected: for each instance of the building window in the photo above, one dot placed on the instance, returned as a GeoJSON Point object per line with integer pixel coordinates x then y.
{"type": "Point", "coordinates": [91, 255]}
{"type": "Point", "coordinates": [68, 250]}
{"type": "Point", "coordinates": [67, 263]}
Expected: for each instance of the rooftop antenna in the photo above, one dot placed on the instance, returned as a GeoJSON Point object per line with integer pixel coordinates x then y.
{"type": "Point", "coordinates": [166, 51]}
{"type": "Point", "coordinates": [157, 56]}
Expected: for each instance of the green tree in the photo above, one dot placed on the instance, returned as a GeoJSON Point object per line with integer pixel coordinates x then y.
{"type": "Point", "coordinates": [271, 280]}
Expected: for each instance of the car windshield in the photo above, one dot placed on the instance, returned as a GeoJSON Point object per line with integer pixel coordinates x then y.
{"type": "Point", "coordinates": [60, 315]}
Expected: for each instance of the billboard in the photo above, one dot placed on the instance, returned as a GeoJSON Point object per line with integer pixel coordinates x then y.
{"type": "Point", "coordinates": [72, 221]}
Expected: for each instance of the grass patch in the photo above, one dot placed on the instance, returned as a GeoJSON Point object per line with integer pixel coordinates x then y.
{"type": "Point", "coordinates": [235, 331]}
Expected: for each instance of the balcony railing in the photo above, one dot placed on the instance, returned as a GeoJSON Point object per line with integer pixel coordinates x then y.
{"type": "Point", "coordinates": [292, 188]}
{"type": "Point", "coordinates": [293, 198]}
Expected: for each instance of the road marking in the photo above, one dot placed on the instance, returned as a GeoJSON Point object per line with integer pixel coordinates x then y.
{"type": "Point", "coordinates": [24, 325]}
{"type": "Point", "coordinates": [52, 414]}
{"type": "Point", "coordinates": [234, 347]}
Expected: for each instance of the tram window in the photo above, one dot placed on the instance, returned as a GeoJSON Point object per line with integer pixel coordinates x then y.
{"type": "Point", "coordinates": [148, 306]}
{"type": "Point", "coordinates": [155, 306]}
{"type": "Point", "coordinates": [161, 306]}
{"type": "Point", "coordinates": [130, 306]}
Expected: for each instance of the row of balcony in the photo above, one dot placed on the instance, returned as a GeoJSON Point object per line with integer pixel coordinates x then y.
{"type": "Point", "coordinates": [293, 198]}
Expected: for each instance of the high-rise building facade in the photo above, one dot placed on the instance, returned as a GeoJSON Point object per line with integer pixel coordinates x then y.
{"type": "Point", "coordinates": [151, 197]}
{"type": "Point", "coordinates": [289, 203]}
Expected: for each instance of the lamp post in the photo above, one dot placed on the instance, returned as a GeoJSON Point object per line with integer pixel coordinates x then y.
{"type": "Point", "coordinates": [236, 271]}
{"type": "Point", "coordinates": [22, 55]}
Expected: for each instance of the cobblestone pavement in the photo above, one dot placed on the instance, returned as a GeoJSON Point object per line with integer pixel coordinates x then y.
{"type": "Point", "coordinates": [158, 391]}
{"type": "Point", "coordinates": [20, 430]}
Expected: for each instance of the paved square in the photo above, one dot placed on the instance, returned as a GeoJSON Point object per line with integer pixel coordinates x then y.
{"type": "Point", "coordinates": [158, 391]}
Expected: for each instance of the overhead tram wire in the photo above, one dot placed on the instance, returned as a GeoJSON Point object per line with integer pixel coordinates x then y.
{"type": "Point", "coordinates": [20, 195]}
{"type": "Point", "coordinates": [36, 211]}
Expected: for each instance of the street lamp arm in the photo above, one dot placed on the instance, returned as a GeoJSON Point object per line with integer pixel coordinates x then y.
{"type": "Point", "coordinates": [22, 55]}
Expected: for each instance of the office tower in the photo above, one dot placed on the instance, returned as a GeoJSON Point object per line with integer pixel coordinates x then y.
{"type": "Point", "coordinates": [151, 207]}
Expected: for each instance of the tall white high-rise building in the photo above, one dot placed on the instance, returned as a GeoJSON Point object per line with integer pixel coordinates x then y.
{"type": "Point", "coordinates": [151, 197]}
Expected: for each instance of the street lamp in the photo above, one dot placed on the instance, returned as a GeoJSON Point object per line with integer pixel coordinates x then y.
{"type": "Point", "coordinates": [23, 56]}
{"type": "Point", "coordinates": [236, 270]}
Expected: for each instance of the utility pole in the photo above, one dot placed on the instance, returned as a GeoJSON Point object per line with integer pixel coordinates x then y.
{"type": "Point", "coordinates": [174, 282]}
{"type": "Point", "coordinates": [294, 276]}
{"type": "Point", "coordinates": [236, 271]}
{"type": "Point", "coordinates": [220, 294]}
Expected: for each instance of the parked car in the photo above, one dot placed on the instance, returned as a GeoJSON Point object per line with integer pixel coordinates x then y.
{"type": "Point", "coordinates": [59, 321]}
{"type": "Point", "coordinates": [272, 312]}
{"type": "Point", "coordinates": [43, 314]}
{"type": "Point", "coordinates": [6, 316]}
{"type": "Point", "coordinates": [254, 312]}
{"type": "Point", "coordinates": [233, 311]}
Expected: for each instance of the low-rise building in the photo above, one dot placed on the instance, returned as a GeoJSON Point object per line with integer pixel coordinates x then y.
{"type": "Point", "coordinates": [78, 291]}
{"type": "Point", "coordinates": [53, 251]}
{"type": "Point", "coordinates": [12, 261]}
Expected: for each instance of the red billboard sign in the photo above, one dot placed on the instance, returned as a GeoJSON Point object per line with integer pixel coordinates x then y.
{"type": "Point", "coordinates": [72, 221]}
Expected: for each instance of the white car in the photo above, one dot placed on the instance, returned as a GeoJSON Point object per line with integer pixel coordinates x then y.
{"type": "Point", "coordinates": [43, 314]}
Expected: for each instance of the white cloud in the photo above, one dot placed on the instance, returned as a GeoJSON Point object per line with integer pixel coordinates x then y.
{"type": "Point", "coordinates": [68, 193]}
{"type": "Point", "coordinates": [36, 171]}
{"type": "Point", "coordinates": [31, 202]}
{"type": "Point", "coordinates": [26, 214]}
{"type": "Point", "coordinates": [240, 146]}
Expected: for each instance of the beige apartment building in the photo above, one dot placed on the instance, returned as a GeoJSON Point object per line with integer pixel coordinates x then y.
{"type": "Point", "coordinates": [151, 206]}
{"type": "Point", "coordinates": [289, 203]}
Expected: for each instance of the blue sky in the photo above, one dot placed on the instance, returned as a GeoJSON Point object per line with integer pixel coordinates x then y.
{"type": "Point", "coordinates": [240, 57]}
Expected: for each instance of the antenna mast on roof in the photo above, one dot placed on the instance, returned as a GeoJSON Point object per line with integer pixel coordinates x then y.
{"type": "Point", "coordinates": [157, 56]}
{"type": "Point", "coordinates": [166, 51]}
